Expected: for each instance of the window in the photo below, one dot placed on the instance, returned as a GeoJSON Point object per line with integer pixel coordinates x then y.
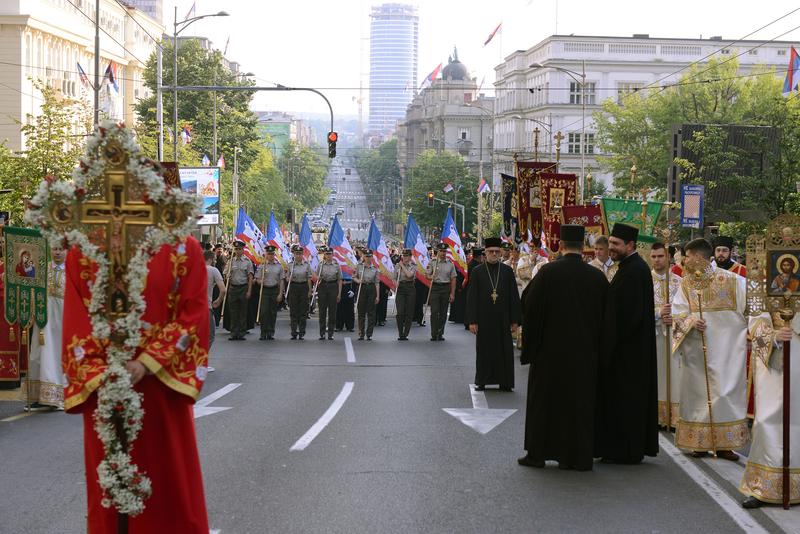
{"type": "Point", "coordinates": [575, 92]}
{"type": "Point", "coordinates": [626, 88]}
{"type": "Point", "coordinates": [753, 52]}
{"type": "Point", "coordinates": [588, 146]}
{"type": "Point", "coordinates": [725, 51]}
{"type": "Point", "coordinates": [574, 143]}
{"type": "Point", "coordinates": [463, 134]}
{"type": "Point", "coordinates": [781, 52]}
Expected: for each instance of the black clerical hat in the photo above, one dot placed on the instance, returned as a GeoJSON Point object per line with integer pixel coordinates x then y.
{"type": "Point", "coordinates": [723, 241]}
{"type": "Point", "coordinates": [492, 242]}
{"type": "Point", "coordinates": [625, 232]}
{"type": "Point", "coordinates": [572, 232]}
{"type": "Point", "coordinates": [477, 252]}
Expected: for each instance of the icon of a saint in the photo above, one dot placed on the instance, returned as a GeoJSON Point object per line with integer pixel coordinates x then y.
{"type": "Point", "coordinates": [786, 280]}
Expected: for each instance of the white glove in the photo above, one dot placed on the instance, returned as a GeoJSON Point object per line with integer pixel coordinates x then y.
{"type": "Point", "coordinates": [350, 294]}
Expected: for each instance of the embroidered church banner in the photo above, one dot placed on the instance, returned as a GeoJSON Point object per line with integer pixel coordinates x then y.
{"type": "Point", "coordinates": [557, 191]}
{"type": "Point", "coordinates": [25, 277]}
{"type": "Point", "coordinates": [617, 210]}
{"type": "Point", "coordinates": [529, 194]}
{"type": "Point", "coordinates": [510, 206]}
{"type": "Point", "coordinates": [591, 217]}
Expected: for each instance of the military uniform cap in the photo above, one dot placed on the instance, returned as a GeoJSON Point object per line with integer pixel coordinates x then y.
{"type": "Point", "coordinates": [407, 252]}
{"type": "Point", "coordinates": [238, 244]}
{"type": "Point", "coordinates": [297, 248]}
{"type": "Point", "coordinates": [367, 252]}
{"type": "Point", "coordinates": [441, 246]}
{"type": "Point", "coordinates": [270, 248]}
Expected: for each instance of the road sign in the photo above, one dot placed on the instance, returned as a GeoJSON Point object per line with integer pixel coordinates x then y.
{"type": "Point", "coordinates": [692, 200]}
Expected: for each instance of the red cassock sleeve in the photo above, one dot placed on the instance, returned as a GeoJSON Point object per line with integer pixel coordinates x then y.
{"type": "Point", "coordinates": [174, 343]}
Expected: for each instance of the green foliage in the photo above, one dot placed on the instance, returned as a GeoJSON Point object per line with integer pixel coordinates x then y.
{"type": "Point", "coordinates": [54, 145]}
{"type": "Point", "coordinates": [236, 124]}
{"type": "Point", "coordinates": [378, 171]}
{"type": "Point", "coordinates": [432, 172]}
{"type": "Point", "coordinates": [303, 171]}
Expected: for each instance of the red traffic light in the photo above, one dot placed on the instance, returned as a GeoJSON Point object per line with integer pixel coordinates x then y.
{"type": "Point", "coordinates": [333, 137]}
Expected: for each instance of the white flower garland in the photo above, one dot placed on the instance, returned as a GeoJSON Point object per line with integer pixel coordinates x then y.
{"type": "Point", "coordinates": [118, 418]}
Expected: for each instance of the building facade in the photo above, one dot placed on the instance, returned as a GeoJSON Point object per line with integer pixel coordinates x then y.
{"type": "Point", "coordinates": [53, 40]}
{"type": "Point", "coordinates": [394, 37]}
{"type": "Point", "coordinates": [152, 8]}
{"type": "Point", "coordinates": [277, 128]}
{"type": "Point", "coordinates": [534, 91]}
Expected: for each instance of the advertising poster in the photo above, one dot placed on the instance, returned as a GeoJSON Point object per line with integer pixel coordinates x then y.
{"type": "Point", "coordinates": [204, 182]}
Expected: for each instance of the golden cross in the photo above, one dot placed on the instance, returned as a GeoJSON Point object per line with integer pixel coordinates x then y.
{"type": "Point", "coordinates": [558, 137]}
{"type": "Point", "coordinates": [633, 178]}
{"type": "Point", "coordinates": [536, 143]}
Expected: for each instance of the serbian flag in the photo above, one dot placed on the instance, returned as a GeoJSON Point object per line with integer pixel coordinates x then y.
{"type": "Point", "coordinates": [380, 256]}
{"type": "Point", "coordinates": [419, 249]}
{"type": "Point", "coordinates": [454, 251]}
{"type": "Point", "coordinates": [111, 75]}
{"type": "Point", "coordinates": [342, 251]}
{"type": "Point", "coordinates": [274, 237]}
{"type": "Point", "coordinates": [491, 35]}
{"type": "Point", "coordinates": [247, 231]}
{"type": "Point", "coordinates": [82, 75]}
{"type": "Point", "coordinates": [431, 77]}
{"type": "Point", "coordinates": [205, 162]}
{"type": "Point", "coordinates": [448, 187]}
{"type": "Point", "coordinates": [310, 253]}
{"type": "Point", "coordinates": [793, 73]}
{"type": "Point", "coordinates": [483, 187]}
{"type": "Point", "coordinates": [221, 161]}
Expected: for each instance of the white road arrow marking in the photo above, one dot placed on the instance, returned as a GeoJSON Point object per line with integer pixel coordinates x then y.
{"type": "Point", "coordinates": [202, 408]}
{"type": "Point", "coordinates": [480, 417]}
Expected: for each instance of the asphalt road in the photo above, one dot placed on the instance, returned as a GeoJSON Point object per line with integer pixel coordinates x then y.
{"type": "Point", "coordinates": [391, 460]}
{"type": "Point", "coordinates": [349, 199]}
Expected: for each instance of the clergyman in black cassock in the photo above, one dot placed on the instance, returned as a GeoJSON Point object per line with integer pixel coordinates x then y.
{"type": "Point", "coordinates": [562, 312]}
{"type": "Point", "coordinates": [493, 311]}
{"type": "Point", "coordinates": [627, 419]}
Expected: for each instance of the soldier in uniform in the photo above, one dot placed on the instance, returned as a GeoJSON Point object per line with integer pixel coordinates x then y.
{"type": "Point", "coordinates": [269, 276]}
{"type": "Point", "coordinates": [442, 274]}
{"type": "Point", "coordinates": [366, 277]}
{"type": "Point", "coordinates": [506, 251]}
{"type": "Point", "coordinates": [241, 286]}
{"type": "Point", "coordinates": [329, 291]}
{"type": "Point", "coordinates": [299, 292]}
{"type": "Point", "coordinates": [406, 295]}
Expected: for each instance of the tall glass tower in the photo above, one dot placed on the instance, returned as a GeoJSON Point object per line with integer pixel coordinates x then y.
{"type": "Point", "coordinates": [394, 35]}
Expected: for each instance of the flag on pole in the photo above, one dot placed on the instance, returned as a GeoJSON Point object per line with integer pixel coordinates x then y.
{"type": "Point", "coordinates": [448, 187]}
{"type": "Point", "coordinates": [342, 251]}
{"type": "Point", "coordinates": [111, 75]}
{"type": "Point", "coordinates": [221, 161]}
{"type": "Point", "coordinates": [381, 258]}
{"type": "Point", "coordinates": [431, 77]}
{"type": "Point", "coordinates": [793, 73]}
{"type": "Point", "coordinates": [419, 249]}
{"type": "Point", "coordinates": [206, 162]}
{"type": "Point", "coordinates": [192, 11]}
{"type": "Point", "coordinates": [248, 232]}
{"type": "Point", "coordinates": [451, 237]}
{"type": "Point", "coordinates": [227, 42]}
{"type": "Point", "coordinates": [309, 248]}
{"type": "Point", "coordinates": [186, 135]}
{"type": "Point", "coordinates": [83, 77]}
{"type": "Point", "coordinates": [274, 237]}
{"type": "Point", "coordinates": [491, 35]}
{"type": "Point", "coordinates": [483, 187]}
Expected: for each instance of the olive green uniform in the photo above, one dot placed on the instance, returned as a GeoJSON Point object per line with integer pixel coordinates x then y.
{"type": "Point", "coordinates": [368, 281]}
{"type": "Point", "coordinates": [241, 269]}
{"type": "Point", "coordinates": [405, 298]}
{"type": "Point", "coordinates": [330, 279]}
{"type": "Point", "coordinates": [298, 297]}
{"type": "Point", "coordinates": [442, 272]}
{"type": "Point", "coordinates": [271, 275]}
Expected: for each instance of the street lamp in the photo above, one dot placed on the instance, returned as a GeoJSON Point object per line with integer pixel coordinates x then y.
{"type": "Point", "coordinates": [547, 128]}
{"type": "Point", "coordinates": [490, 113]}
{"type": "Point", "coordinates": [235, 189]}
{"type": "Point", "coordinates": [582, 81]}
{"type": "Point", "coordinates": [183, 25]}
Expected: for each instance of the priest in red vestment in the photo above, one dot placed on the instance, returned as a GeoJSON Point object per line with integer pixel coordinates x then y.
{"type": "Point", "coordinates": [169, 370]}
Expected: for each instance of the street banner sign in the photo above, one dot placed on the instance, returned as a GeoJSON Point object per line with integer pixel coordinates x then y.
{"type": "Point", "coordinates": [692, 199]}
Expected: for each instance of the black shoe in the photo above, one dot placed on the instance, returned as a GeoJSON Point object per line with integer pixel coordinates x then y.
{"type": "Point", "coordinates": [434, 339]}
{"type": "Point", "coordinates": [751, 503]}
{"type": "Point", "coordinates": [322, 337]}
{"type": "Point", "coordinates": [262, 338]}
{"type": "Point", "coordinates": [351, 329]}
{"type": "Point", "coordinates": [301, 336]}
{"type": "Point", "coordinates": [441, 338]}
{"type": "Point", "coordinates": [402, 338]}
{"type": "Point", "coordinates": [330, 336]}
{"type": "Point", "coordinates": [507, 389]}
{"type": "Point", "coordinates": [381, 324]}
{"type": "Point", "coordinates": [369, 338]}
{"type": "Point", "coordinates": [338, 330]}
{"type": "Point", "coordinates": [479, 388]}
{"type": "Point", "coordinates": [270, 337]}
{"type": "Point", "coordinates": [699, 454]}
{"type": "Point", "coordinates": [294, 336]}
{"type": "Point", "coordinates": [361, 338]}
{"type": "Point", "coordinates": [564, 466]}
{"type": "Point", "coordinates": [527, 461]}
{"type": "Point", "coordinates": [232, 338]}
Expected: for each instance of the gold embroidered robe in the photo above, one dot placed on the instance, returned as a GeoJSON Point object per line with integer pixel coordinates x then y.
{"type": "Point", "coordinates": [723, 304]}
{"type": "Point", "coordinates": [659, 283]}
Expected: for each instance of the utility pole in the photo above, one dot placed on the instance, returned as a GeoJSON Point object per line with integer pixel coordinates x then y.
{"type": "Point", "coordinates": [160, 100]}
{"type": "Point", "coordinates": [97, 62]}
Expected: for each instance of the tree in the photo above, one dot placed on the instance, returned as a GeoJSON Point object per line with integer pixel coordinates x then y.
{"type": "Point", "coordinates": [54, 144]}
{"type": "Point", "coordinates": [432, 172]}
{"type": "Point", "coordinates": [379, 172]}
{"type": "Point", "coordinates": [303, 172]}
{"type": "Point", "coordinates": [236, 124]}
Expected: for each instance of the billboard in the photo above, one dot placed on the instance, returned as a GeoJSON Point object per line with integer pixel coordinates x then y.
{"type": "Point", "coordinates": [203, 182]}
{"type": "Point", "coordinates": [692, 200]}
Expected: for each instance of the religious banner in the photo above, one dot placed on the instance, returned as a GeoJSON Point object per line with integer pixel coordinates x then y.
{"type": "Point", "coordinates": [529, 195]}
{"type": "Point", "coordinates": [590, 217]}
{"type": "Point", "coordinates": [510, 205]}
{"type": "Point", "coordinates": [557, 190]}
{"type": "Point", "coordinates": [25, 277]}
{"type": "Point", "coordinates": [628, 211]}
{"type": "Point", "coordinates": [9, 342]}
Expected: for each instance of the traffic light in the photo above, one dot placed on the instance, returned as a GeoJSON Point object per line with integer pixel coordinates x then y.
{"type": "Point", "coordinates": [332, 138]}
{"type": "Point", "coordinates": [430, 199]}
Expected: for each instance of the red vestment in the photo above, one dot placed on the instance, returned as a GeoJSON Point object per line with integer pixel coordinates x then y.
{"type": "Point", "coordinates": [9, 350]}
{"type": "Point", "coordinates": [174, 349]}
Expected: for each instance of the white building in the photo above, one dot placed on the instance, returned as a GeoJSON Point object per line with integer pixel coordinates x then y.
{"type": "Point", "coordinates": [48, 39]}
{"type": "Point", "coordinates": [450, 114]}
{"type": "Point", "coordinates": [530, 86]}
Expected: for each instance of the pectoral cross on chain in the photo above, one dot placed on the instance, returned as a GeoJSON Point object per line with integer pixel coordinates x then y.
{"type": "Point", "coordinates": [494, 296]}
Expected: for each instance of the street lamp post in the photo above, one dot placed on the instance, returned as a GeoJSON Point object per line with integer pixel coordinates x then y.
{"type": "Point", "coordinates": [548, 127]}
{"type": "Point", "coordinates": [235, 189]}
{"type": "Point", "coordinates": [184, 24]}
{"type": "Point", "coordinates": [490, 113]}
{"type": "Point", "coordinates": [582, 81]}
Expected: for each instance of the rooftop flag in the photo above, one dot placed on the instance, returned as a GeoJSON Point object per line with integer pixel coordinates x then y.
{"type": "Point", "coordinates": [491, 35]}
{"type": "Point", "coordinates": [419, 249]}
{"type": "Point", "coordinates": [431, 77]}
{"type": "Point", "coordinates": [793, 73]}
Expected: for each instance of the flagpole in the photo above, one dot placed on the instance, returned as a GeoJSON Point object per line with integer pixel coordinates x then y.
{"type": "Point", "coordinates": [97, 62]}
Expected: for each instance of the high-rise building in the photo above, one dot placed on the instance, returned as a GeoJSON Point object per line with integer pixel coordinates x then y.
{"type": "Point", "coordinates": [153, 8]}
{"type": "Point", "coordinates": [394, 35]}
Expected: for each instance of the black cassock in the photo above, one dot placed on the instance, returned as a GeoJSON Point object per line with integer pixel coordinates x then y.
{"type": "Point", "coordinates": [627, 396]}
{"type": "Point", "coordinates": [494, 349]}
{"type": "Point", "coordinates": [562, 328]}
{"type": "Point", "coordinates": [459, 304]}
